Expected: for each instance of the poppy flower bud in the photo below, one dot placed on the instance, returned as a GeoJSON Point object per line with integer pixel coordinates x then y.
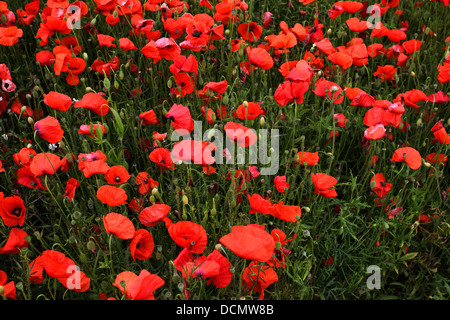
{"type": "Point", "coordinates": [213, 211]}
{"type": "Point", "coordinates": [152, 199]}
{"type": "Point", "coordinates": [185, 199]}
{"type": "Point", "coordinates": [319, 73]}
{"type": "Point", "coordinates": [30, 120]}
{"type": "Point", "coordinates": [115, 13]}
{"type": "Point", "coordinates": [329, 31]}
{"type": "Point", "coordinates": [306, 209]}
{"type": "Point", "coordinates": [278, 245]}
{"type": "Point", "coordinates": [169, 83]}
{"type": "Point", "coordinates": [176, 278]}
{"type": "Point", "coordinates": [2, 290]}
{"type": "Point", "coordinates": [373, 184]}
{"type": "Point", "coordinates": [262, 121]}
{"type": "Point", "coordinates": [419, 122]}
{"type": "Point", "coordinates": [90, 245]}
{"type": "Point", "coordinates": [245, 104]}
{"type": "Point", "coordinates": [413, 74]}
{"type": "Point", "coordinates": [116, 84]}
{"type": "Point", "coordinates": [94, 21]}
{"type": "Point", "coordinates": [227, 32]}
{"type": "Point", "coordinates": [427, 164]}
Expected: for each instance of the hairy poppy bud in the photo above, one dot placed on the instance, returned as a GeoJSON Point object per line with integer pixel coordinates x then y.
{"type": "Point", "coordinates": [30, 120]}
{"type": "Point", "coordinates": [90, 245]}
{"type": "Point", "coordinates": [185, 199]}
{"type": "Point", "coordinates": [2, 290]}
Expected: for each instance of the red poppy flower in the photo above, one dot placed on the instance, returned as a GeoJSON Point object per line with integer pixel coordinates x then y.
{"type": "Point", "coordinates": [260, 58]}
{"type": "Point", "coordinates": [9, 36]}
{"type": "Point", "coordinates": [145, 182]}
{"type": "Point", "coordinates": [193, 151]}
{"type": "Point", "coordinates": [118, 225]}
{"type": "Point", "coordinates": [189, 235]}
{"type": "Point", "coordinates": [308, 158]}
{"type": "Point", "coordinates": [257, 278]}
{"type": "Point", "coordinates": [92, 163]}
{"type": "Point", "coordinates": [325, 88]}
{"type": "Point", "coordinates": [386, 72]}
{"type": "Point", "coordinates": [281, 184]}
{"type": "Point", "coordinates": [49, 129]}
{"type": "Point", "coordinates": [138, 287]}
{"type": "Point", "coordinates": [105, 67]}
{"type": "Point", "coordinates": [259, 204]}
{"type": "Point", "coordinates": [181, 118]}
{"type": "Point", "coordinates": [111, 20]}
{"type": "Point", "coordinates": [93, 131]}
{"type": "Point", "coordinates": [341, 59]}
{"type": "Point", "coordinates": [163, 158]}
{"type": "Point", "coordinates": [93, 102]}
{"type": "Point", "coordinates": [167, 48]}
{"type": "Point", "coordinates": [411, 46]}
{"type": "Point", "coordinates": [183, 64]}
{"type": "Point", "coordinates": [195, 266]}
{"type": "Point", "coordinates": [126, 44]}
{"type": "Point", "coordinates": [112, 196]}
{"type": "Point", "coordinates": [289, 213]}
{"type": "Point", "coordinates": [57, 101]}
{"type": "Point", "coordinates": [151, 216]}
{"type": "Point", "coordinates": [444, 72]}
{"type": "Point", "coordinates": [117, 175]}
{"type": "Point", "coordinates": [150, 51]}
{"type": "Point", "coordinates": [148, 117]}
{"type": "Point", "coordinates": [290, 91]}
{"type": "Point", "coordinates": [375, 132]}
{"type": "Point", "coordinates": [250, 31]}
{"type": "Point", "coordinates": [45, 163]}
{"type": "Point", "coordinates": [15, 242]}
{"type": "Point", "coordinates": [105, 40]}
{"type": "Point", "coordinates": [442, 136]}
{"type": "Point", "coordinates": [278, 258]}
{"type": "Point", "coordinates": [12, 211]}
{"type": "Point", "coordinates": [27, 178]}
{"type": "Point", "coordinates": [250, 112]}
{"type": "Point", "coordinates": [244, 136]}
{"type": "Point", "coordinates": [381, 187]}
{"type": "Point", "coordinates": [323, 184]}
{"type": "Point", "coordinates": [249, 242]}
{"type": "Point", "coordinates": [282, 41]}
{"type": "Point", "coordinates": [325, 46]}
{"type": "Point", "coordinates": [218, 87]}
{"type": "Point", "coordinates": [142, 245]}
{"type": "Point", "coordinates": [185, 84]}
{"type": "Point", "coordinates": [197, 35]}
{"type": "Point", "coordinates": [355, 25]}
{"type": "Point", "coordinates": [375, 49]}
{"type": "Point", "coordinates": [71, 186]}
{"type": "Point", "coordinates": [409, 155]}
{"type": "Point", "coordinates": [35, 270]}
{"type": "Point", "coordinates": [411, 97]}
{"type": "Point", "coordinates": [223, 279]}
{"type": "Point", "coordinates": [57, 265]}
{"type": "Point", "coordinates": [435, 157]}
